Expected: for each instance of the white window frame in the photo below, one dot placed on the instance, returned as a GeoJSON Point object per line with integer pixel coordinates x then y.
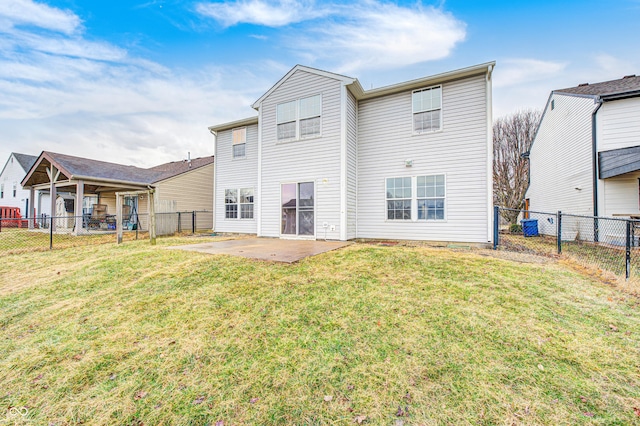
{"type": "Point", "coordinates": [435, 197]}
{"type": "Point", "coordinates": [298, 119]}
{"type": "Point", "coordinates": [423, 110]}
{"type": "Point", "coordinates": [1, 190]}
{"type": "Point", "coordinates": [414, 217]}
{"type": "Point", "coordinates": [392, 199]}
{"type": "Point", "coordinates": [239, 204]}
{"type": "Point", "coordinates": [242, 143]}
{"type": "Point", "coordinates": [15, 189]}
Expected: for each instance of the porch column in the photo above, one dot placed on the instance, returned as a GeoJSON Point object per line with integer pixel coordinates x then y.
{"type": "Point", "coordinates": [31, 217]}
{"type": "Point", "coordinates": [119, 218]}
{"type": "Point", "coordinates": [53, 173]}
{"type": "Point", "coordinates": [78, 207]}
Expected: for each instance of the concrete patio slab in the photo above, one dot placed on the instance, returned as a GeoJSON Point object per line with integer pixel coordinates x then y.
{"type": "Point", "coordinates": [273, 249]}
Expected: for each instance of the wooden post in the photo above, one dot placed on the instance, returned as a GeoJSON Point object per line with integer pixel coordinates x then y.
{"type": "Point", "coordinates": [53, 177]}
{"type": "Point", "coordinates": [119, 217]}
{"type": "Point", "coordinates": [31, 217]}
{"type": "Point", "coordinates": [78, 208]}
{"type": "Point", "coordinates": [152, 217]}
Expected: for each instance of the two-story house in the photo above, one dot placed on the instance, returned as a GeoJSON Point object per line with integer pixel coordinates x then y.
{"type": "Point", "coordinates": [12, 194]}
{"type": "Point", "coordinates": [326, 159]}
{"type": "Point", "coordinates": [585, 157]}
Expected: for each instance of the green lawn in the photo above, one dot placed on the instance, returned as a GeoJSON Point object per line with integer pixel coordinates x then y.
{"type": "Point", "coordinates": [135, 334]}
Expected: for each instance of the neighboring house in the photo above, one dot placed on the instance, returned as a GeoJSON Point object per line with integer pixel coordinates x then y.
{"type": "Point", "coordinates": [179, 186]}
{"type": "Point", "coordinates": [325, 158]}
{"type": "Point", "coordinates": [585, 157]}
{"type": "Point", "coordinates": [11, 192]}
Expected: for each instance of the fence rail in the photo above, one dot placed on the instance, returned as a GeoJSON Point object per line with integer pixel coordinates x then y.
{"type": "Point", "coordinates": [18, 235]}
{"type": "Point", "coordinates": [610, 243]}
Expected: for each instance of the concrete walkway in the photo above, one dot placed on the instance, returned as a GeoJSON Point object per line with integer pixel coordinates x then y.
{"type": "Point", "coordinates": [273, 249]}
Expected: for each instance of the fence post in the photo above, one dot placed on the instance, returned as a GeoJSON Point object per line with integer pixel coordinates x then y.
{"type": "Point", "coordinates": [559, 231]}
{"type": "Point", "coordinates": [193, 222]}
{"type": "Point", "coordinates": [50, 232]}
{"type": "Point", "coordinates": [628, 251]}
{"type": "Point", "coordinates": [179, 223]}
{"type": "Point", "coordinates": [496, 226]}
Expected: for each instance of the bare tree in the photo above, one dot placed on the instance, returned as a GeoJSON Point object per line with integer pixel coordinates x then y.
{"type": "Point", "coordinates": [512, 137]}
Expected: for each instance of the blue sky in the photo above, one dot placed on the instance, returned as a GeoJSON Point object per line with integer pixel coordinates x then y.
{"type": "Point", "coordinates": [138, 82]}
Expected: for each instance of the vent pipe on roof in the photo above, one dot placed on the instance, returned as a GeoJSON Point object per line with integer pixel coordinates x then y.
{"type": "Point", "coordinates": [629, 76]}
{"type": "Point", "coordinates": [583, 84]}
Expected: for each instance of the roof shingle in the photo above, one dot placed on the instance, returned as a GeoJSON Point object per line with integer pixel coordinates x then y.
{"type": "Point", "coordinates": [605, 88]}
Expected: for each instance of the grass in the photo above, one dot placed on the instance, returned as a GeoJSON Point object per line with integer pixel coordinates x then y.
{"type": "Point", "coordinates": [137, 334]}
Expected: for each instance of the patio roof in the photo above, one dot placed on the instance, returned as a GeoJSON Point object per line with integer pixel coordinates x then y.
{"type": "Point", "coordinates": [617, 162]}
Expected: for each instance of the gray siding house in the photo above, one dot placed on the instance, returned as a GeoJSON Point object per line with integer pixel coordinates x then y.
{"type": "Point", "coordinates": [326, 159]}
{"type": "Point", "coordinates": [585, 158]}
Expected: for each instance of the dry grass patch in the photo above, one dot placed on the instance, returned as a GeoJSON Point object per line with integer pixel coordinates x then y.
{"type": "Point", "coordinates": [136, 333]}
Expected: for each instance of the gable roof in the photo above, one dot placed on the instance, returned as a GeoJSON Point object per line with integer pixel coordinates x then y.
{"type": "Point", "coordinates": [624, 87]}
{"type": "Point", "coordinates": [85, 168]}
{"type": "Point", "coordinates": [25, 161]}
{"type": "Point", "coordinates": [340, 77]}
{"type": "Point", "coordinates": [359, 93]}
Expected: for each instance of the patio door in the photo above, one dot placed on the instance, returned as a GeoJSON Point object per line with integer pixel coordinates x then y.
{"type": "Point", "coordinates": [298, 209]}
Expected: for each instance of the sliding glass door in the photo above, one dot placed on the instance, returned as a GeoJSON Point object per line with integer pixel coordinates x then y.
{"type": "Point", "coordinates": [298, 209]}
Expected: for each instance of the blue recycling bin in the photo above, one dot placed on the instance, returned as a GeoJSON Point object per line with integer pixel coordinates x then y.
{"type": "Point", "coordinates": [530, 227]}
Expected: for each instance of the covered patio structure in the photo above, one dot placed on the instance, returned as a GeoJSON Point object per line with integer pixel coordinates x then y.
{"type": "Point", "coordinates": [84, 178]}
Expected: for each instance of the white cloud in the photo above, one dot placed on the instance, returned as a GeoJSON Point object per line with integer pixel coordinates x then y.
{"type": "Point", "coordinates": [262, 12]}
{"type": "Point", "coordinates": [67, 94]}
{"type": "Point", "coordinates": [383, 35]}
{"type": "Point", "coordinates": [511, 72]}
{"type": "Point", "coordinates": [349, 37]}
{"type": "Point", "coordinates": [27, 12]}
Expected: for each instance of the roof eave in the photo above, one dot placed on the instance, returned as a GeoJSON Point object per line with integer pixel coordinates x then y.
{"type": "Point", "coordinates": [428, 81]}
{"type": "Point", "coordinates": [233, 124]}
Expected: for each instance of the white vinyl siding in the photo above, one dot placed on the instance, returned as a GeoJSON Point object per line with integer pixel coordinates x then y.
{"type": "Point", "coordinates": [313, 160]}
{"type": "Point", "coordinates": [618, 124]}
{"type": "Point", "coordinates": [234, 174]}
{"type": "Point", "coordinates": [561, 158]}
{"type": "Point", "coordinates": [459, 151]}
{"type": "Point", "coordinates": [12, 174]}
{"type": "Point", "coordinates": [620, 195]}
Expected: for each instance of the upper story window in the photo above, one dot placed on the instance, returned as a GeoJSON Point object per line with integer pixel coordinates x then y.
{"type": "Point", "coordinates": [299, 119]}
{"type": "Point", "coordinates": [427, 109]}
{"type": "Point", "coordinates": [15, 189]}
{"type": "Point", "coordinates": [239, 138]}
{"type": "Point", "coordinates": [1, 190]}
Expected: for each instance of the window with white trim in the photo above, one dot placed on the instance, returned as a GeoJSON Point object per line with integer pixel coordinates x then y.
{"type": "Point", "coordinates": [238, 203]}
{"type": "Point", "coordinates": [427, 109]}
{"type": "Point", "coordinates": [430, 196]}
{"type": "Point", "coordinates": [299, 119]}
{"type": "Point", "coordinates": [1, 190]}
{"type": "Point", "coordinates": [239, 140]}
{"type": "Point", "coordinates": [399, 198]}
{"type": "Point", "coordinates": [15, 189]}
{"type": "Point", "coordinates": [246, 203]}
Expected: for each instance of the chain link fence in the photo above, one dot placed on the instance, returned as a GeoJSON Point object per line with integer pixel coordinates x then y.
{"type": "Point", "coordinates": [20, 235]}
{"type": "Point", "coordinates": [612, 244]}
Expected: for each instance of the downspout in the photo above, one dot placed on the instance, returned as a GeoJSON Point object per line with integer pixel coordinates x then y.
{"type": "Point", "coordinates": [215, 177]}
{"type": "Point", "coordinates": [594, 156]}
{"type": "Point", "coordinates": [594, 166]}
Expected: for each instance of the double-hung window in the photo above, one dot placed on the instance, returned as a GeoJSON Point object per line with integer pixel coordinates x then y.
{"type": "Point", "coordinates": [299, 119]}
{"type": "Point", "coordinates": [431, 197]}
{"type": "Point", "coordinates": [426, 202]}
{"type": "Point", "coordinates": [1, 190]}
{"type": "Point", "coordinates": [427, 109]}
{"type": "Point", "coordinates": [15, 189]}
{"type": "Point", "coordinates": [238, 203]}
{"type": "Point", "coordinates": [399, 198]}
{"type": "Point", "coordinates": [239, 139]}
